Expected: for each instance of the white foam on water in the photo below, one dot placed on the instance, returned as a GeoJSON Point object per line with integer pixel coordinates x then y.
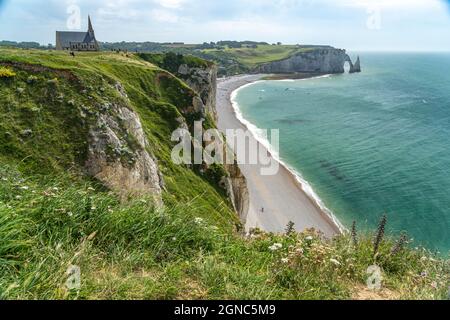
{"type": "Point", "coordinates": [261, 136]}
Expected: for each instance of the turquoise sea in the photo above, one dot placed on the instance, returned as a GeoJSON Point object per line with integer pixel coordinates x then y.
{"type": "Point", "coordinates": [369, 143]}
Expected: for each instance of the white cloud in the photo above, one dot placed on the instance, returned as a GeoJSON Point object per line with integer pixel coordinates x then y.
{"type": "Point", "coordinates": [171, 4]}
{"type": "Point", "coordinates": [406, 24]}
{"type": "Point", "coordinates": [251, 28]}
{"type": "Point", "coordinates": [164, 16]}
{"type": "Point", "coordinates": [393, 4]}
{"type": "Point", "coordinates": [123, 9]}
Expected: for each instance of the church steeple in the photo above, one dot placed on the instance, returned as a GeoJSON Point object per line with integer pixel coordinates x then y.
{"type": "Point", "coordinates": [91, 29]}
{"type": "Point", "coordinates": [90, 36]}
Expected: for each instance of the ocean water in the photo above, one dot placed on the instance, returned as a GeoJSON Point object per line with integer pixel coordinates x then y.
{"type": "Point", "coordinates": [369, 143]}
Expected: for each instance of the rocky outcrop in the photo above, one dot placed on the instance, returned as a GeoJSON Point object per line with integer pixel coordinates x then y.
{"type": "Point", "coordinates": [356, 67]}
{"type": "Point", "coordinates": [236, 186]}
{"type": "Point", "coordinates": [118, 156]}
{"type": "Point", "coordinates": [203, 80]}
{"type": "Point", "coordinates": [324, 61]}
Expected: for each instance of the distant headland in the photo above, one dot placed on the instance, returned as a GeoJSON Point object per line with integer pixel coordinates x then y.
{"type": "Point", "coordinates": [231, 57]}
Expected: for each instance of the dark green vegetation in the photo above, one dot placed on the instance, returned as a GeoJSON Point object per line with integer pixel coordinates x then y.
{"type": "Point", "coordinates": [53, 217]}
{"type": "Point", "coordinates": [172, 61]}
{"type": "Point", "coordinates": [24, 45]}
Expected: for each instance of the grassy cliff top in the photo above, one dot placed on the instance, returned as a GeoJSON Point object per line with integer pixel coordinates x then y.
{"type": "Point", "coordinates": [252, 57]}
{"type": "Point", "coordinates": [245, 59]}
{"type": "Point", "coordinates": [62, 60]}
{"type": "Point", "coordinates": [51, 101]}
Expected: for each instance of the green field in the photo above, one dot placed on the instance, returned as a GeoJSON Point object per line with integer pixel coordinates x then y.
{"type": "Point", "coordinates": [243, 60]}
{"type": "Point", "coordinates": [251, 57]}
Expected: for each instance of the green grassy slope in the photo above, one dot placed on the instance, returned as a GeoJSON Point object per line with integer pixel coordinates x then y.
{"type": "Point", "coordinates": [251, 57]}
{"type": "Point", "coordinates": [53, 217]}
{"type": "Point", "coordinates": [130, 251]}
{"type": "Point", "coordinates": [48, 103]}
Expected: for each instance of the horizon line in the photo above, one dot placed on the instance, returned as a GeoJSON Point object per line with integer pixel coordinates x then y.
{"type": "Point", "coordinates": [374, 50]}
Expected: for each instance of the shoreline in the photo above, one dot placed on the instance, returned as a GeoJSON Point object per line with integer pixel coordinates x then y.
{"type": "Point", "coordinates": [287, 195]}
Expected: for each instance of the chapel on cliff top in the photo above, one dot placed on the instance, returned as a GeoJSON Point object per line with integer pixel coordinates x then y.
{"type": "Point", "coordinates": [77, 41]}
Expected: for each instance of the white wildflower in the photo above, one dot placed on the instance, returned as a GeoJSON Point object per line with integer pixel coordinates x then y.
{"type": "Point", "coordinates": [18, 197]}
{"type": "Point", "coordinates": [336, 262]}
{"type": "Point", "coordinates": [198, 220]}
{"type": "Point", "coordinates": [24, 187]}
{"type": "Point", "coordinates": [309, 238]}
{"type": "Point", "coordinates": [285, 260]}
{"type": "Point", "coordinates": [174, 239]}
{"type": "Point", "coordinates": [275, 247]}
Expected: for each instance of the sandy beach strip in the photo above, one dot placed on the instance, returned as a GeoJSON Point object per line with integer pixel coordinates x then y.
{"type": "Point", "coordinates": [281, 195]}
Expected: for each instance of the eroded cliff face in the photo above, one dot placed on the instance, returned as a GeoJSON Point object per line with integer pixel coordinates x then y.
{"type": "Point", "coordinates": [325, 61]}
{"type": "Point", "coordinates": [204, 82]}
{"type": "Point", "coordinates": [118, 155]}
{"type": "Point", "coordinates": [236, 186]}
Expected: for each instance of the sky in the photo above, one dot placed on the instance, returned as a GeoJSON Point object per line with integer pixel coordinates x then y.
{"type": "Point", "coordinates": [379, 25]}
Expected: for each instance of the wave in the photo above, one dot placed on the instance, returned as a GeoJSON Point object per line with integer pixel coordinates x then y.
{"type": "Point", "coordinates": [261, 136]}
{"type": "Point", "coordinates": [304, 79]}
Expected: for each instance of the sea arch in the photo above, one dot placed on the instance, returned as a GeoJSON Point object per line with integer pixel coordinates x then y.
{"type": "Point", "coordinates": [348, 64]}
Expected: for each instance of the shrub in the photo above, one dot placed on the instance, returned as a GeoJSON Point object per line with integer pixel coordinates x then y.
{"type": "Point", "coordinates": [216, 172]}
{"type": "Point", "coordinates": [32, 79]}
{"type": "Point", "coordinates": [53, 82]}
{"type": "Point", "coordinates": [6, 73]}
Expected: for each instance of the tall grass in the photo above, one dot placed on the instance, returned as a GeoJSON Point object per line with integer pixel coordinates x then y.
{"type": "Point", "coordinates": [133, 251]}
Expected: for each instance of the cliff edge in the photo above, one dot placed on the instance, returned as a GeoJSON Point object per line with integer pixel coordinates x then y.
{"type": "Point", "coordinates": [324, 60]}
{"type": "Point", "coordinates": [110, 117]}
